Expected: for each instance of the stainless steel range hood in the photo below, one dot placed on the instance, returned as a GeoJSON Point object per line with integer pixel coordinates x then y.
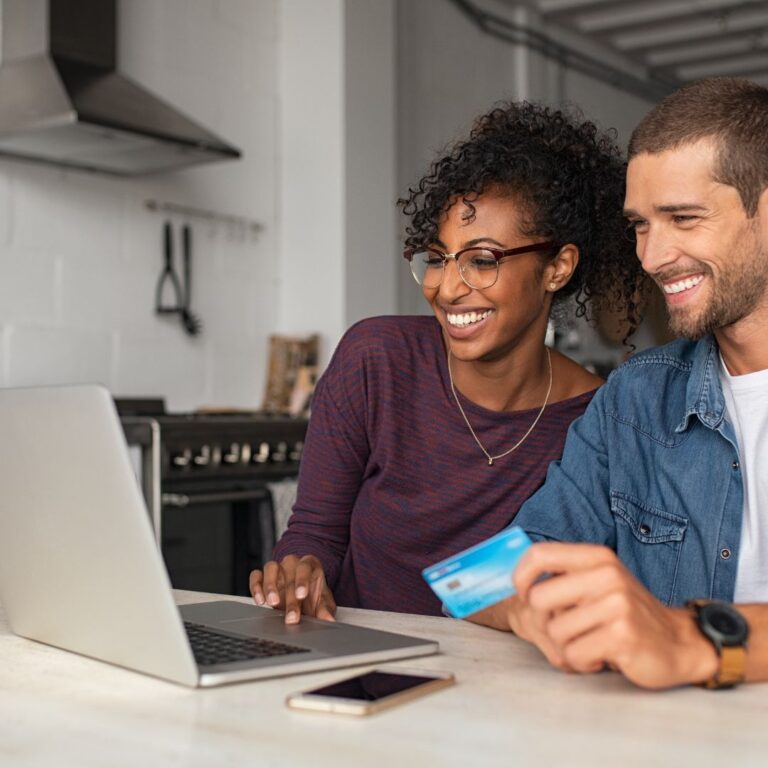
{"type": "Point", "coordinates": [63, 102]}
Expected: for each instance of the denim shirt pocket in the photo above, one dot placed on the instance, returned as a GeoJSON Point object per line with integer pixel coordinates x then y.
{"type": "Point", "coordinates": [648, 542]}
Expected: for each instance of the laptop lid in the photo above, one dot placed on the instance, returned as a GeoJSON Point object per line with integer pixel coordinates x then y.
{"type": "Point", "coordinates": [80, 568]}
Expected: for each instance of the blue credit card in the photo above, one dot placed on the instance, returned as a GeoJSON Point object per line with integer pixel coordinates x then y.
{"type": "Point", "coordinates": [479, 576]}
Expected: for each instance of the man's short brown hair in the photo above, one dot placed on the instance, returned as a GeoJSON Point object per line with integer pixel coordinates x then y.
{"type": "Point", "coordinates": [733, 112]}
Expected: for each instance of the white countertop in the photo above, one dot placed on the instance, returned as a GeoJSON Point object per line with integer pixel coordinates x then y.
{"type": "Point", "coordinates": [508, 708]}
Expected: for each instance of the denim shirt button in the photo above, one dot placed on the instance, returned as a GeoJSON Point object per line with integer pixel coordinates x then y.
{"type": "Point", "coordinates": [725, 553]}
{"type": "Point", "coordinates": [644, 529]}
{"type": "Point", "coordinates": [735, 465]}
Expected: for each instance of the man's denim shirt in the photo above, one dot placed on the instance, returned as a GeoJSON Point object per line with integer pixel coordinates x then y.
{"type": "Point", "coordinates": [652, 470]}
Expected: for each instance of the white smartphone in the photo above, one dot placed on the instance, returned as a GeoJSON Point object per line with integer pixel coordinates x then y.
{"type": "Point", "coordinates": [370, 692]}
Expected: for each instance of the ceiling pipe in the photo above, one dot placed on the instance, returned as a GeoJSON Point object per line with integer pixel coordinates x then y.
{"type": "Point", "coordinates": [653, 88]}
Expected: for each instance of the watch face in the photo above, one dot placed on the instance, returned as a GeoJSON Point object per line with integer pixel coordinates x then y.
{"type": "Point", "coordinates": [726, 622]}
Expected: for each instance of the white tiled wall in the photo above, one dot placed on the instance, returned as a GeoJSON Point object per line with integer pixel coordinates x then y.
{"type": "Point", "coordinates": [80, 254]}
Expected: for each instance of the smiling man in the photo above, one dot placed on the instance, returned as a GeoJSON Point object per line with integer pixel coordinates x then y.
{"type": "Point", "coordinates": [664, 479]}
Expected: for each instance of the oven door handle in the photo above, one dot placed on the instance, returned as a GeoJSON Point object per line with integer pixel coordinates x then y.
{"type": "Point", "coordinates": [187, 499]}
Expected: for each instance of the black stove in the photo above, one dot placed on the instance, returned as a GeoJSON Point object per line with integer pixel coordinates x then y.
{"type": "Point", "coordinates": [206, 445]}
{"type": "Point", "coordinates": [206, 476]}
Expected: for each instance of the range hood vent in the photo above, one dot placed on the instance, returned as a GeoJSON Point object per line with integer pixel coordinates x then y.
{"type": "Point", "coordinates": [62, 100]}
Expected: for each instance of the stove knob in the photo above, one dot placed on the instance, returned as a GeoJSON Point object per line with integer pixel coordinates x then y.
{"type": "Point", "coordinates": [245, 454]}
{"type": "Point", "coordinates": [181, 460]}
{"type": "Point", "coordinates": [260, 454]}
{"type": "Point", "coordinates": [232, 456]}
{"type": "Point", "coordinates": [202, 459]}
{"type": "Point", "coordinates": [298, 448]}
{"type": "Point", "coordinates": [280, 454]}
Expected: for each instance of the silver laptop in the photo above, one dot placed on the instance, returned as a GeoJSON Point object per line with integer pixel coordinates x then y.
{"type": "Point", "coordinates": [80, 568]}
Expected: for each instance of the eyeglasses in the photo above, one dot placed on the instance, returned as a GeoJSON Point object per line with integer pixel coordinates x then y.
{"type": "Point", "coordinates": [478, 267]}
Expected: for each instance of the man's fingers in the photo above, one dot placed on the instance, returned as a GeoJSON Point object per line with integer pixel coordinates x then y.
{"type": "Point", "coordinates": [590, 652]}
{"type": "Point", "coordinates": [569, 625]}
{"type": "Point", "coordinates": [554, 656]}
{"type": "Point", "coordinates": [554, 557]}
{"type": "Point", "coordinates": [571, 588]}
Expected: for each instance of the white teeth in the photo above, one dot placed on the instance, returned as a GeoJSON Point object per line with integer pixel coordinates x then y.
{"type": "Point", "coordinates": [683, 285]}
{"type": "Point", "coordinates": [467, 318]}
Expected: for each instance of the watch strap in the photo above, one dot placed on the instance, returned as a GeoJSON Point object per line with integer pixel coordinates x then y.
{"type": "Point", "coordinates": [733, 661]}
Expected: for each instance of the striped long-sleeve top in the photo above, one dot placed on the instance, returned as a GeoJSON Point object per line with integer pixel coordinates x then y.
{"type": "Point", "coordinates": [392, 481]}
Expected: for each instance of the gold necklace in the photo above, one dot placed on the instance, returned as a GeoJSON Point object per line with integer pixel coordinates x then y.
{"type": "Point", "coordinates": [490, 458]}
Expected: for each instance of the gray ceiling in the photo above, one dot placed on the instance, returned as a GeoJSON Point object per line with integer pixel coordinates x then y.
{"type": "Point", "coordinates": [673, 39]}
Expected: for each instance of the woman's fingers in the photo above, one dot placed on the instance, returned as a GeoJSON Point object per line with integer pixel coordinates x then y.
{"type": "Point", "coordinates": [301, 577]}
{"type": "Point", "coordinates": [265, 585]}
{"type": "Point", "coordinates": [273, 578]}
{"type": "Point", "coordinates": [271, 591]}
{"type": "Point", "coordinates": [326, 609]}
{"type": "Point", "coordinates": [287, 584]}
{"type": "Point", "coordinates": [256, 582]}
{"type": "Point", "coordinates": [304, 571]}
{"type": "Point", "coordinates": [292, 604]}
{"type": "Point", "coordinates": [295, 584]}
{"type": "Point", "coordinates": [321, 598]}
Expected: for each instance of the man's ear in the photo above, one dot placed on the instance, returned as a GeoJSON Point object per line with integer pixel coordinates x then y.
{"type": "Point", "coordinates": [761, 216]}
{"type": "Point", "coordinates": [762, 203]}
{"type": "Point", "coordinates": [560, 270]}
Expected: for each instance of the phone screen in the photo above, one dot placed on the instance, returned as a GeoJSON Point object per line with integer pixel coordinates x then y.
{"type": "Point", "coordinates": [372, 686]}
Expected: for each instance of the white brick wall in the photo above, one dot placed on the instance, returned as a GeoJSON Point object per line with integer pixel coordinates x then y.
{"type": "Point", "coordinates": [80, 255]}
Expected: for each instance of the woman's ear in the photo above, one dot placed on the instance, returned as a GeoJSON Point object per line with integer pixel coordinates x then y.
{"type": "Point", "coordinates": [560, 270]}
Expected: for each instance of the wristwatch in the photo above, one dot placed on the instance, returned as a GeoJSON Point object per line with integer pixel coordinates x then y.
{"type": "Point", "coordinates": [728, 631]}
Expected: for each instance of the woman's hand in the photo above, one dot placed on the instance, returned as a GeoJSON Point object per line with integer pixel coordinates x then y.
{"type": "Point", "coordinates": [295, 584]}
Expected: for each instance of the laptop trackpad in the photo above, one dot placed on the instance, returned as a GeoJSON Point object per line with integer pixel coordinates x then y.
{"type": "Point", "coordinates": [250, 620]}
{"type": "Point", "coordinates": [275, 626]}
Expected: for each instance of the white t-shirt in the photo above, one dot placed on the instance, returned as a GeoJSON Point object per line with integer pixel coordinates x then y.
{"type": "Point", "coordinates": [746, 401]}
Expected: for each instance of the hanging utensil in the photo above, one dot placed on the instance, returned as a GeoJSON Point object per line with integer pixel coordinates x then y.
{"type": "Point", "coordinates": [168, 280]}
{"type": "Point", "coordinates": [191, 322]}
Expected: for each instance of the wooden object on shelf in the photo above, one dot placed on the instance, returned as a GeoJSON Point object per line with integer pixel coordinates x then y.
{"type": "Point", "coordinates": [292, 374]}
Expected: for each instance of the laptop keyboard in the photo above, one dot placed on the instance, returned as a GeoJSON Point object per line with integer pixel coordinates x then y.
{"type": "Point", "coordinates": [212, 647]}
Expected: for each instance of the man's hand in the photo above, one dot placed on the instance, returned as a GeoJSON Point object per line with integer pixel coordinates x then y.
{"type": "Point", "coordinates": [591, 612]}
{"type": "Point", "coordinates": [296, 585]}
{"type": "Point", "coordinates": [512, 614]}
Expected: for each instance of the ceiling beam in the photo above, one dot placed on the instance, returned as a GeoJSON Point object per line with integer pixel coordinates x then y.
{"type": "Point", "coordinates": [669, 34]}
{"type": "Point", "coordinates": [706, 50]}
{"type": "Point", "coordinates": [577, 58]}
{"type": "Point", "coordinates": [733, 67]}
{"type": "Point", "coordinates": [551, 7]}
{"type": "Point", "coordinates": [650, 13]}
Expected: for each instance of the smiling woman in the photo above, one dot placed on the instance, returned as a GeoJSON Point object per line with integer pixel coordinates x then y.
{"type": "Point", "coordinates": [428, 433]}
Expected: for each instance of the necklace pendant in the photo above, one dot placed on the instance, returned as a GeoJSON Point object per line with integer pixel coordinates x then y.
{"type": "Point", "coordinates": [469, 426]}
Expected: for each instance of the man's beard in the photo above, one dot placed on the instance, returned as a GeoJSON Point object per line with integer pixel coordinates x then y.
{"type": "Point", "coordinates": [734, 295]}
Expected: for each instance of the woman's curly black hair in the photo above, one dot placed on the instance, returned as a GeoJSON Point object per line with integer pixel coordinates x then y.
{"type": "Point", "coordinates": [568, 178]}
